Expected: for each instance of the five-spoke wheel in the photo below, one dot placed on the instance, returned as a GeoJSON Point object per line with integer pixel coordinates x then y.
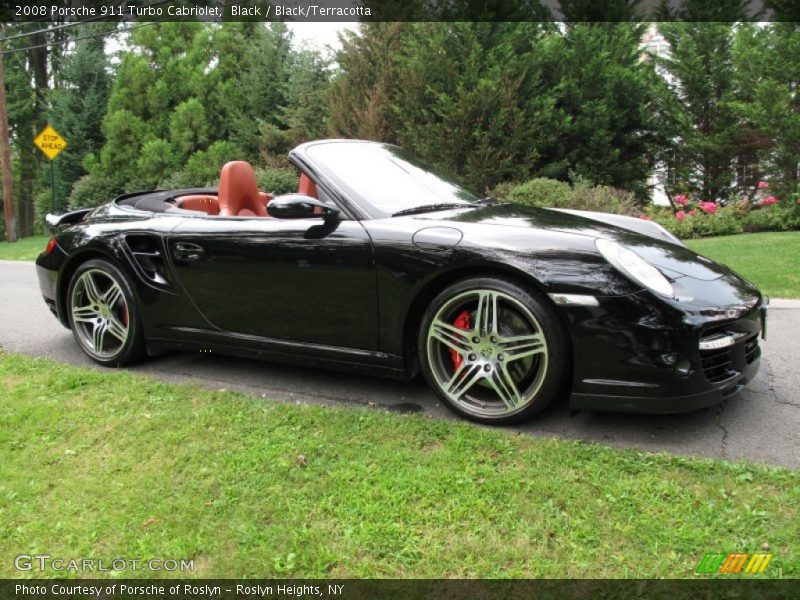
{"type": "Point", "coordinates": [492, 351]}
{"type": "Point", "coordinates": [101, 314]}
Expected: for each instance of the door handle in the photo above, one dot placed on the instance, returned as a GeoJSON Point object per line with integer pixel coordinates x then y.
{"type": "Point", "coordinates": [188, 252]}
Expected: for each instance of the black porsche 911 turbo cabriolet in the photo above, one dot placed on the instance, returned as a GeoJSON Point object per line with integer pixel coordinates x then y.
{"type": "Point", "coordinates": [378, 264]}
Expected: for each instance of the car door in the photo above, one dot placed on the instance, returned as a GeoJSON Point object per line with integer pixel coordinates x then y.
{"type": "Point", "coordinates": [291, 279]}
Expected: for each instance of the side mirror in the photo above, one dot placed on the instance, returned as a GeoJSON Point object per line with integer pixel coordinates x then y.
{"type": "Point", "coordinates": [300, 206]}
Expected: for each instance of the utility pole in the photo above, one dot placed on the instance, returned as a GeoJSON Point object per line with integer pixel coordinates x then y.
{"type": "Point", "coordinates": [5, 154]}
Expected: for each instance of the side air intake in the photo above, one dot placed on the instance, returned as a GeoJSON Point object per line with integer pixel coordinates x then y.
{"type": "Point", "coordinates": [149, 257]}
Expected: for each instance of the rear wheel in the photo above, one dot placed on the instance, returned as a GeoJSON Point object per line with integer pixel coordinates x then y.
{"type": "Point", "coordinates": [104, 315]}
{"type": "Point", "coordinates": [492, 351]}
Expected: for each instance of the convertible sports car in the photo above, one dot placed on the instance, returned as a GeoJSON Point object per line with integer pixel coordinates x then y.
{"type": "Point", "coordinates": [379, 265]}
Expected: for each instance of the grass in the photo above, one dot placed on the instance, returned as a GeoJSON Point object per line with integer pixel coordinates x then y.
{"type": "Point", "coordinates": [107, 464]}
{"type": "Point", "coordinates": [23, 249]}
{"type": "Point", "coordinates": [770, 260]}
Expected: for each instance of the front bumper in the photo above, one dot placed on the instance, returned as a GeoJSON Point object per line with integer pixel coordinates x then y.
{"type": "Point", "coordinates": [663, 405]}
{"type": "Point", "coordinates": [634, 355]}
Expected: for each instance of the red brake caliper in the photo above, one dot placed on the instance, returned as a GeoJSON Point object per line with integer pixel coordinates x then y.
{"type": "Point", "coordinates": [463, 321]}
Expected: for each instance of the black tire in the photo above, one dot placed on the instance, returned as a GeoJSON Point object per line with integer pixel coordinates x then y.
{"type": "Point", "coordinates": [86, 316]}
{"type": "Point", "coordinates": [508, 377]}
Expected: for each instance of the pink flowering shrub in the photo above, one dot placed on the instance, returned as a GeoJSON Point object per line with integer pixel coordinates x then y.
{"type": "Point", "coordinates": [689, 218]}
{"type": "Point", "coordinates": [708, 207]}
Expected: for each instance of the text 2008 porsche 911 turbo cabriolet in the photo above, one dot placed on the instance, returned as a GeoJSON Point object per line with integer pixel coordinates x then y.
{"type": "Point", "coordinates": [378, 264]}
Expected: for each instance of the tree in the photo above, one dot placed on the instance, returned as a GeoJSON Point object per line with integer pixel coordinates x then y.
{"type": "Point", "coordinates": [472, 99]}
{"type": "Point", "coordinates": [303, 114]}
{"type": "Point", "coordinates": [698, 104]}
{"type": "Point", "coordinates": [603, 104]}
{"type": "Point", "coordinates": [156, 116]}
{"type": "Point", "coordinates": [126, 134]}
{"type": "Point", "coordinates": [188, 128]}
{"type": "Point", "coordinates": [258, 81]}
{"type": "Point", "coordinates": [79, 104]}
{"type": "Point", "coordinates": [360, 99]}
{"type": "Point", "coordinates": [502, 101]}
{"type": "Point", "coordinates": [767, 67]}
{"type": "Point", "coordinates": [186, 93]}
{"type": "Point", "coordinates": [27, 86]}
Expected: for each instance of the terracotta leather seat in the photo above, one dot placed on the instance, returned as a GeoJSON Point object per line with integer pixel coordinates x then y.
{"type": "Point", "coordinates": [206, 204]}
{"type": "Point", "coordinates": [306, 186]}
{"type": "Point", "coordinates": [238, 191]}
{"type": "Point", "coordinates": [309, 188]}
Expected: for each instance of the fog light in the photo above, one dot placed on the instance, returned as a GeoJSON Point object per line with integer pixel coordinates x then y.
{"type": "Point", "coordinates": [683, 368]}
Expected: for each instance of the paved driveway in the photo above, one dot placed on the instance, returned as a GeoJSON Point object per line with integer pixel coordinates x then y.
{"type": "Point", "coordinates": [762, 424]}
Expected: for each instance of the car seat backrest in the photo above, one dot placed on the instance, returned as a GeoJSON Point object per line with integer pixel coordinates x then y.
{"type": "Point", "coordinates": [206, 204]}
{"type": "Point", "coordinates": [238, 191]}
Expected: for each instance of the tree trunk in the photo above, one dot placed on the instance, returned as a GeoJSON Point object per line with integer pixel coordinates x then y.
{"type": "Point", "coordinates": [5, 150]}
{"type": "Point", "coordinates": [30, 158]}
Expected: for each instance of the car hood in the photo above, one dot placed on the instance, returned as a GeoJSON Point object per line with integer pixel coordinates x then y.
{"type": "Point", "coordinates": [673, 259]}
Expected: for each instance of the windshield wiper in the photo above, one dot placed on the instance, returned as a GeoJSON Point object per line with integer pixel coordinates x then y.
{"type": "Point", "coordinates": [431, 208]}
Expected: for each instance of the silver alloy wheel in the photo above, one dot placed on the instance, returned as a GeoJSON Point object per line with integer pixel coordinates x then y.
{"type": "Point", "coordinates": [99, 314]}
{"type": "Point", "coordinates": [503, 356]}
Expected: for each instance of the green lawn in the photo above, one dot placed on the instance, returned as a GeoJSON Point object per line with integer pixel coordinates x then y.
{"type": "Point", "coordinates": [770, 260]}
{"type": "Point", "coordinates": [107, 464]}
{"type": "Point", "coordinates": [23, 249]}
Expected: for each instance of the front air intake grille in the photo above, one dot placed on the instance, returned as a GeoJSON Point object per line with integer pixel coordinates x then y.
{"type": "Point", "coordinates": [718, 364]}
{"type": "Point", "coordinates": [751, 350]}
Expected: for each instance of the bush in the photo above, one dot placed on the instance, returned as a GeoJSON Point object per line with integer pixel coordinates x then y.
{"type": "Point", "coordinates": [42, 204]}
{"type": "Point", "coordinates": [739, 217]}
{"type": "Point", "coordinates": [558, 194]}
{"type": "Point", "coordinates": [536, 192]}
{"type": "Point", "coordinates": [760, 220]}
{"type": "Point", "coordinates": [774, 218]}
{"type": "Point", "coordinates": [723, 222]}
{"type": "Point", "coordinates": [92, 190]}
{"type": "Point", "coordinates": [277, 180]}
{"type": "Point", "coordinates": [602, 198]}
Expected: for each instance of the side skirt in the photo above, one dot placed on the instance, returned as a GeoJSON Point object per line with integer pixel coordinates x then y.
{"type": "Point", "coordinates": [190, 339]}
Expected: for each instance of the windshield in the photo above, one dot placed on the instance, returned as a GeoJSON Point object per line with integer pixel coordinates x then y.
{"type": "Point", "coordinates": [386, 178]}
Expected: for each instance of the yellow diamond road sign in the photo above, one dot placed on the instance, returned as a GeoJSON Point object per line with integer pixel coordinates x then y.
{"type": "Point", "coordinates": [49, 142]}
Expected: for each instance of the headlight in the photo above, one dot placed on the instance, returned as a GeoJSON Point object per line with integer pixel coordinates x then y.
{"type": "Point", "coordinates": [634, 266]}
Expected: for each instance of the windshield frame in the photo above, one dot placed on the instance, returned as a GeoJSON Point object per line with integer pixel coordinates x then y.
{"type": "Point", "coordinates": [367, 209]}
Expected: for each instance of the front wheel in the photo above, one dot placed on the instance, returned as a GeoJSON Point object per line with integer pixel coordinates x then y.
{"type": "Point", "coordinates": [492, 351]}
{"type": "Point", "coordinates": [104, 315]}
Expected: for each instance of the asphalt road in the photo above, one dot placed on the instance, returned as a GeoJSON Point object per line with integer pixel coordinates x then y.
{"type": "Point", "coordinates": [762, 424]}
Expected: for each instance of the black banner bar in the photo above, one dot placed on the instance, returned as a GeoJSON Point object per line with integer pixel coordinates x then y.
{"type": "Point", "coordinates": [349, 589]}
{"type": "Point", "coordinates": [60, 11]}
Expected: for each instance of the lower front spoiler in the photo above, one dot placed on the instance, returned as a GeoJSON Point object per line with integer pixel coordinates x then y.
{"type": "Point", "coordinates": [660, 405]}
